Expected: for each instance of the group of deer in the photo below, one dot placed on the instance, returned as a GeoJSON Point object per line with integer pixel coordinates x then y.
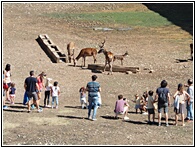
{"type": "Point", "coordinates": [109, 56]}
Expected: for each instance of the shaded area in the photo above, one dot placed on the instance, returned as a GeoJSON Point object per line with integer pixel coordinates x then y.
{"type": "Point", "coordinates": [180, 14]}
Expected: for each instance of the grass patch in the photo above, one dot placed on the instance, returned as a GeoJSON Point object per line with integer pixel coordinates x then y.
{"type": "Point", "coordinates": [143, 19]}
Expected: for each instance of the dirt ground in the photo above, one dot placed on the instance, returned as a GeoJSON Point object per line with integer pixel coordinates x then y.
{"type": "Point", "coordinates": [149, 49]}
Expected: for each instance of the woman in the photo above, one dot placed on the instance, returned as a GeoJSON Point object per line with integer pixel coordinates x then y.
{"type": "Point", "coordinates": [180, 98]}
{"type": "Point", "coordinates": [7, 80]}
{"type": "Point", "coordinates": [40, 81]}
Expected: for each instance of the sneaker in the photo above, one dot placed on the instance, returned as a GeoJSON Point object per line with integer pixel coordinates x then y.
{"type": "Point", "coordinates": [94, 119]}
{"type": "Point", "coordinates": [186, 118]}
{"type": "Point", "coordinates": [126, 118]}
{"type": "Point", "coordinates": [5, 107]}
{"type": "Point", "coordinates": [167, 124]}
{"type": "Point", "coordinates": [145, 113]}
{"type": "Point", "coordinates": [159, 124]}
{"type": "Point", "coordinates": [52, 107]}
{"type": "Point", "coordinates": [32, 107]}
{"type": "Point", "coordinates": [28, 111]}
{"type": "Point", "coordinates": [39, 110]}
{"type": "Point", "coordinates": [183, 124]}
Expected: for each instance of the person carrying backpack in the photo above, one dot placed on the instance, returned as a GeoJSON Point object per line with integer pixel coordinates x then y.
{"type": "Point", "coordinates": [163, 97]}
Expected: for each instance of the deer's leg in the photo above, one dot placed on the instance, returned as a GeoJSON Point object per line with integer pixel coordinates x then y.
{"type": "Point", "coordinates": [84, 61]}
{"type": "Point", "coordinates": [122, 62]}
{"type": "Point", "coordinates": [94, 57]}
{"type": "Point", "coordinates": [110, 66]}
{"type": "Point", "coordinates": [105, 66]}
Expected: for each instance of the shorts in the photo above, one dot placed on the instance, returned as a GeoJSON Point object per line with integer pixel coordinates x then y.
{"type": "Point", "coordinates": [32, 94]}
{"type": "Point", "coordinates": [121, 113]}
{"type": "Point", "coordinates": [137, 106]}
{"type": "Point", "coordinates": [181, 110]}
{"type": "Point", "coordinates": [151, 111]}
{"type": "Point", "coordinates": [164, 106]}
{"type": "Point", "coordinates": [82, 100]}
{"type": "Point", "coordinates": [12, 95]}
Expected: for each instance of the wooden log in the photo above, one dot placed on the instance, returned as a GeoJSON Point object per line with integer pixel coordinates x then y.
{"type": "Point", "coordinates": [115, 68]}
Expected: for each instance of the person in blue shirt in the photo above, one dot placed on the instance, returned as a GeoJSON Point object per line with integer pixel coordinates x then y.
{"type": "Point", "coordinates": [93, 88]}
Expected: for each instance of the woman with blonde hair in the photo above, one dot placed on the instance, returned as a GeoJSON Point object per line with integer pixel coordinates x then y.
{"type": "Point", "coordinates": [180, 98]}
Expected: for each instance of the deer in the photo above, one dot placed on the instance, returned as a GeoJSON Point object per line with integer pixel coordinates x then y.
{"type": "Point", "coordinates": [84, 53]}
{"type": "Point", "coordinates": [121, 57]}
{"type": "Point", "coordinates": [70, 50]}
{"type": "Point", "coordinates": [109, 56]}
{"type": "Point", "coordinates": [191, 47]}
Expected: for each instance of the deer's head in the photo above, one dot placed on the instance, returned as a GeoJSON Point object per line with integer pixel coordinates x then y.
{"type": "Point", "coordinates": [101, 47]}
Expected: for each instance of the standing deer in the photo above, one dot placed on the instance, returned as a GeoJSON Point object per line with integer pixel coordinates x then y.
{"type": "Point", "coordinates": [121, 57]}
{"type": "Point", "coordinates": [109, 56]}
{"type": "Point", "coordinates": [191, 47]}
{"type": "Point", "coordinates": [84, 53]}
{"type": "Point", "coordinates": [70, 50]}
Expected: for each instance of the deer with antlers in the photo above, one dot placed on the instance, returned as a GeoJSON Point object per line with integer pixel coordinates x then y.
{"type": "Point", "coordinates": [70, 50]}
{"type": "Point", "coordinates": [84, 53]}
{"type": "Point", "coordinates": [121, 57]}
{"type": "Point", "coordinates": [109, 56]}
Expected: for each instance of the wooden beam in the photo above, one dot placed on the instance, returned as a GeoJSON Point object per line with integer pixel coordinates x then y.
{"type": "Point", "coordinates": [115, 68]}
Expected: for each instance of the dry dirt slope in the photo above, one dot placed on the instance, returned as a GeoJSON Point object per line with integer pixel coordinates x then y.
{"type": "Point", "coordinates": [154, 48]}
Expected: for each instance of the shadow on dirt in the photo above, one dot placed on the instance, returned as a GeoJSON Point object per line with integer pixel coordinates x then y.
{"type": "Point", "coordinates": [110, 117]}
{"type": "Point", "coordinates": [10, 110]}
{"type": "Point", "coordinates": [77, 107]}
{"type": "Point", "coordinates": [180, 14]}
{"type": "Point", "coordinates": [71, 117]}
{"type": "Point", "coordinates": [183, 60]}
{"type": "Point", "coordinates": [86, 68]}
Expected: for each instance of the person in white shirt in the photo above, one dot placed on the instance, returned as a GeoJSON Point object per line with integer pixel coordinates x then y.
{"type": "Point", "coordinates": [55, 92]}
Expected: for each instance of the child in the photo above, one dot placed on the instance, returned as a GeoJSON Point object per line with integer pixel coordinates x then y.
{"type": "Point", "coordinates": [12, 92]}
{"type": "Point", "coordinates": [99, 100]}
{"type": "Point", "coordinates": [143, 105]}
{"type": "Point", "coordinates": [137, 103]}
{"type": "Point", "coordinates": [55, 92]}
{"type": "Point", "coordinates": [48, 86]}
{"type": "Point", "coordinates": [179, 103]}
{"type": "Point", "coordinates": [151, 107]}
{"type": "Point", "coordinates": [121, 107]}
{"type": "Point", "coordinates": [83, 97]}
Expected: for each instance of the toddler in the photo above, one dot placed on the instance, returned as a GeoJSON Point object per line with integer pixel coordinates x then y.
{"type": "Point", "coordinates": [137, 103]}
{"type": "Point", "coordinates": [99, 100]}
{"type": "Point", "coordinates": [83, 97]}
{"type": "Point", "coordinates": [143, 105]}
{"type": "Point", "coordinates": [12, 92]}
{"type": "Point", "coordinates": [55, 92]}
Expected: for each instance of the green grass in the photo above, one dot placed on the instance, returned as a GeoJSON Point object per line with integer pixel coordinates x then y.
{"type": "Point", "coordinates": [142, 19]}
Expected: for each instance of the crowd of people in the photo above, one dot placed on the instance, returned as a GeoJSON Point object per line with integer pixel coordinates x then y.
{"type": "Point", "coordinates": [148, 103]}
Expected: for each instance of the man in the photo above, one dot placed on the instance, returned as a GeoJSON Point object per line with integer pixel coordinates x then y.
{"type": "Point", "coordinates": [163, 96]}
{"type": "Point", "coordinates": [31, 86]}
{"type": "Point", "coordinates": [189, 104]}
{"type": "Point", "coordinates": [93, 88]}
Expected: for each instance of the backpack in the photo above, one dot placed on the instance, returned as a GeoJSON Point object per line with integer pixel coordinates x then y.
{"type": "Point", "coordinates": [162, 98]}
